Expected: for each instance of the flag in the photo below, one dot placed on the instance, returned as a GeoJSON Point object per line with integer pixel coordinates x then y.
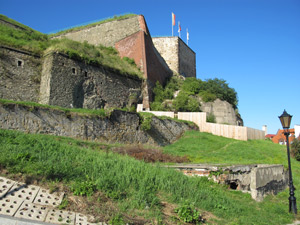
{"type": "Point", "coordinates": [173, 19]}
{"type": "Point", "coordinates": [187, 34]}
{"type": "Point", "coordinates": [179, 27]}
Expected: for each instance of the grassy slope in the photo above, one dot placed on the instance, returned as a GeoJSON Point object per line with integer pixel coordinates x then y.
{"type": "Point", "coordinates": [135, 186]}
{"type": "Point", "coordinates": [207, 148]}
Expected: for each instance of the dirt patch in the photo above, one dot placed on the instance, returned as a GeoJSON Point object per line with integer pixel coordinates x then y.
{"type": "Point", "coordinates": [149, 155]}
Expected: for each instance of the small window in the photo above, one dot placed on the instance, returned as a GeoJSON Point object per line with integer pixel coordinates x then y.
{"type": "Point", "coordinates": [85, 74]}
{"type": "Point", "coordinates": [74, 70]}
{"type": "Point", "coordinates": [20, 63]}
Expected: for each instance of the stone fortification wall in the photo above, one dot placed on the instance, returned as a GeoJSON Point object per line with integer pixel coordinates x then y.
{"type": "Point", "coordinates": [187, 60]}
{"type": "Point", "coordinates": [71, 83]}
{"type": "Point", "coordinates": [107, 33]}
{"type": "Point", "coordinates": [120, 126]}
{"type": "Point", "coordinates": [179, 57]}
{"type": "Point", "coordinates": [223, 112]}
{"type": "Point", "coordinates": [20, 73]}
{"type": "Point", "coordinates": [168, 48]}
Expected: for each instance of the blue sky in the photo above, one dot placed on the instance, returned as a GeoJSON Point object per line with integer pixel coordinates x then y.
{"type": "Point", "coordinates": [252, 44]}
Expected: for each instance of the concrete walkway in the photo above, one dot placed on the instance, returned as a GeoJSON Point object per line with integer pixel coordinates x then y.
{"type": "Point", "coordinates": [29, 204]}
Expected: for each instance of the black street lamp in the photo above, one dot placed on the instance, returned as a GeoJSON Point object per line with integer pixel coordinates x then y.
{"type": "Point", "coordinates": [285, 120]}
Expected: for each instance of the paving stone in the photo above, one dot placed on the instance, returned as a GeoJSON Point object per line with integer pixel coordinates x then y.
{"type": "Point", "coordinates": [83, 220]}
{"type": "Point", "coordinates": [5, 185]}
{"type": "Point", "coordinates": [9, 205]}
{"type": "Point", "coordinates": [44, 197]}
{"type": "Point", "coordinates": [32, 211]}
{"type": "Point", "coordinates": [23, 191]}
{"type": "Point", "coordinates": [60, 217]}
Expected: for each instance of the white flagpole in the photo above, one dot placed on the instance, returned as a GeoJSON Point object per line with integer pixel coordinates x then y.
{"type": "Point", "coordinates": [187, 36]}
{"type": "Point", "coordinates": [172, 24]}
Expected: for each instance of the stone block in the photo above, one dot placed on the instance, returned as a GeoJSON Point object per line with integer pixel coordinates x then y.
{"type": "Point", "coordinates": [60, 217]}
{"type": "Point", "coordinates": [44, 197]}
{"type": "Point", "coordinates": [32, 211]}
{"type": "Point", "coordinates": [9, 205]}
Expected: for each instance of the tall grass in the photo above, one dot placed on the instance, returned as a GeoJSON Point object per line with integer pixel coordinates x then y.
{"type": "Point", "coordinates": [135, 184]}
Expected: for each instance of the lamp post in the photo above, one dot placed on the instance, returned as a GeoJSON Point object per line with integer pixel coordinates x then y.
{"type": "Point", "coordinates": [285, 120]}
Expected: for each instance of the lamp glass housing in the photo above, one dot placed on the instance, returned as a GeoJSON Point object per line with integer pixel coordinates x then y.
{"type": "Point", "coordinates": [285, 120]}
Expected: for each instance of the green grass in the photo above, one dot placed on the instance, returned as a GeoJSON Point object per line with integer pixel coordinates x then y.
{"type": "Point", "coordinates": [208, 148]}
{"type": "Point", "coordinates": [81, 111]}
{"type": "Point", "coordinates": [134, 185]}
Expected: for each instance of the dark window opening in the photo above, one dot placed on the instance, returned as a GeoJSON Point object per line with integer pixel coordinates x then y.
{"type": "Point", "coordinates": [20, 63]}
{"type": "Point", "coordinates": [233, 185]}
{"type": "Point", "coordinates": [73, 70]}
{"type": "Point", "coordinates": [85, 74]}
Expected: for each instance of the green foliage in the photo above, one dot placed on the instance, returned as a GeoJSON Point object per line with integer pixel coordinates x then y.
{"type": "Point", "coordinates": [185, 103]}
{"type": "Point", "coordinates": [64, 203]}
{"type": "Point", "coordinates": [207, 96]}
{"type": "Point", "coordinates": [146, 119]}
{"type": "Point", "coordinates": [191, 85]}
{"type": "Point", "coordinates": [221, 90]}
{"type": "Point", "coordinates": [295, 149]}
{"type": "Point", "coordinates": [117, 220]}
{"type": "Point", "coordinates": [83, 188]}
{"type": "Point", "coordinates": [210, 118]}
{"type": "Point", "coordinates": [68, 111]}
{"type": "Point", "coordinates": [189, 214]}
{"type": "Point", "coordinates": [129, 60]}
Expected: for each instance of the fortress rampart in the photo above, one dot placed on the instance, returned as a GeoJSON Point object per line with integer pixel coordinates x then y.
{"type": "Point", "coordinates": [56, 79]}
{"type": "Point", "coordinates": [179, 57]}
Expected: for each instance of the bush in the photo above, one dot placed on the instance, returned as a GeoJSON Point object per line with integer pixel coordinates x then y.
{"type": "Point", "coordinates": [185, 103]}
{"type": "Point", "coordinates": [295, 149]}
{"type": "Point", "coordinates": [207, 96]}
{"type": "Point", "coordinates": [210, 118]}
{"type": "Point", "coordinates": [189, 214]}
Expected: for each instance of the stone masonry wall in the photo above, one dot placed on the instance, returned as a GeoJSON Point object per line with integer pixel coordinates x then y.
{"type": "Point", "coordinates": [187, 60]}
{"type": "Point", "coordinates": [107, 33]}
{"type": "Point", "coordinates": [20, 73]}
{"type": "Point", "coordinates": [119, 127]}
{"type": "Point", "coordinates": [223, 112]}
{"type": "Point", "coordinates": [168, 48]}
{"type": "Point", "coordinates": [179, 57]}
{"type": "Point", "coordinates": [72, 83]}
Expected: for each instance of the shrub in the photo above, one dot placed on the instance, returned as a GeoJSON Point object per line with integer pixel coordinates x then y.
{"type": "Point", "coordinates": [295, 149]}
{"type": "Point", "coordinates": [185, 103]}
{"type": "Point", "coordinates": [210, 118]}
{"type": "Point", "coordinates": [207, 96]}
{"type": "Point", "coordinates": [189, 214]}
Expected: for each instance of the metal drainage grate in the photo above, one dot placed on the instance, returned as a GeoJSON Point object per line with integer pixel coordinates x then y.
{"type": "Point", "coordinates": [5, 185]}
{"type": "Point", "coordinates": [9, 205]}
{"type": "Point", "coordinates": [60, 217]}
{"type": "Point", "coordinates": [22, 191]}
{"type": "Point", "coordinates": [45, 198]}
{"type": "Point", "coordinates": [32, 211]}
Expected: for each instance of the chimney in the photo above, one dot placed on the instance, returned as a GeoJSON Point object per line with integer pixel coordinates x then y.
{"type": "Point", "coordinates": [264, 128]}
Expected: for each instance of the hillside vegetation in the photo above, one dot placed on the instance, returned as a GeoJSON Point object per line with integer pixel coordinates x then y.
{"type": "Point", "coordinates": [30, 40]}
{"type": "Point", "coordinates": [190, 91]}
{"type": "Point", "coordinates": [139, 192]}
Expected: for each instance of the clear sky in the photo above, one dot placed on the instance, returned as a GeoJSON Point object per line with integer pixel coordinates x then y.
{"type": "Point", "coordinates": [252, 44]}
